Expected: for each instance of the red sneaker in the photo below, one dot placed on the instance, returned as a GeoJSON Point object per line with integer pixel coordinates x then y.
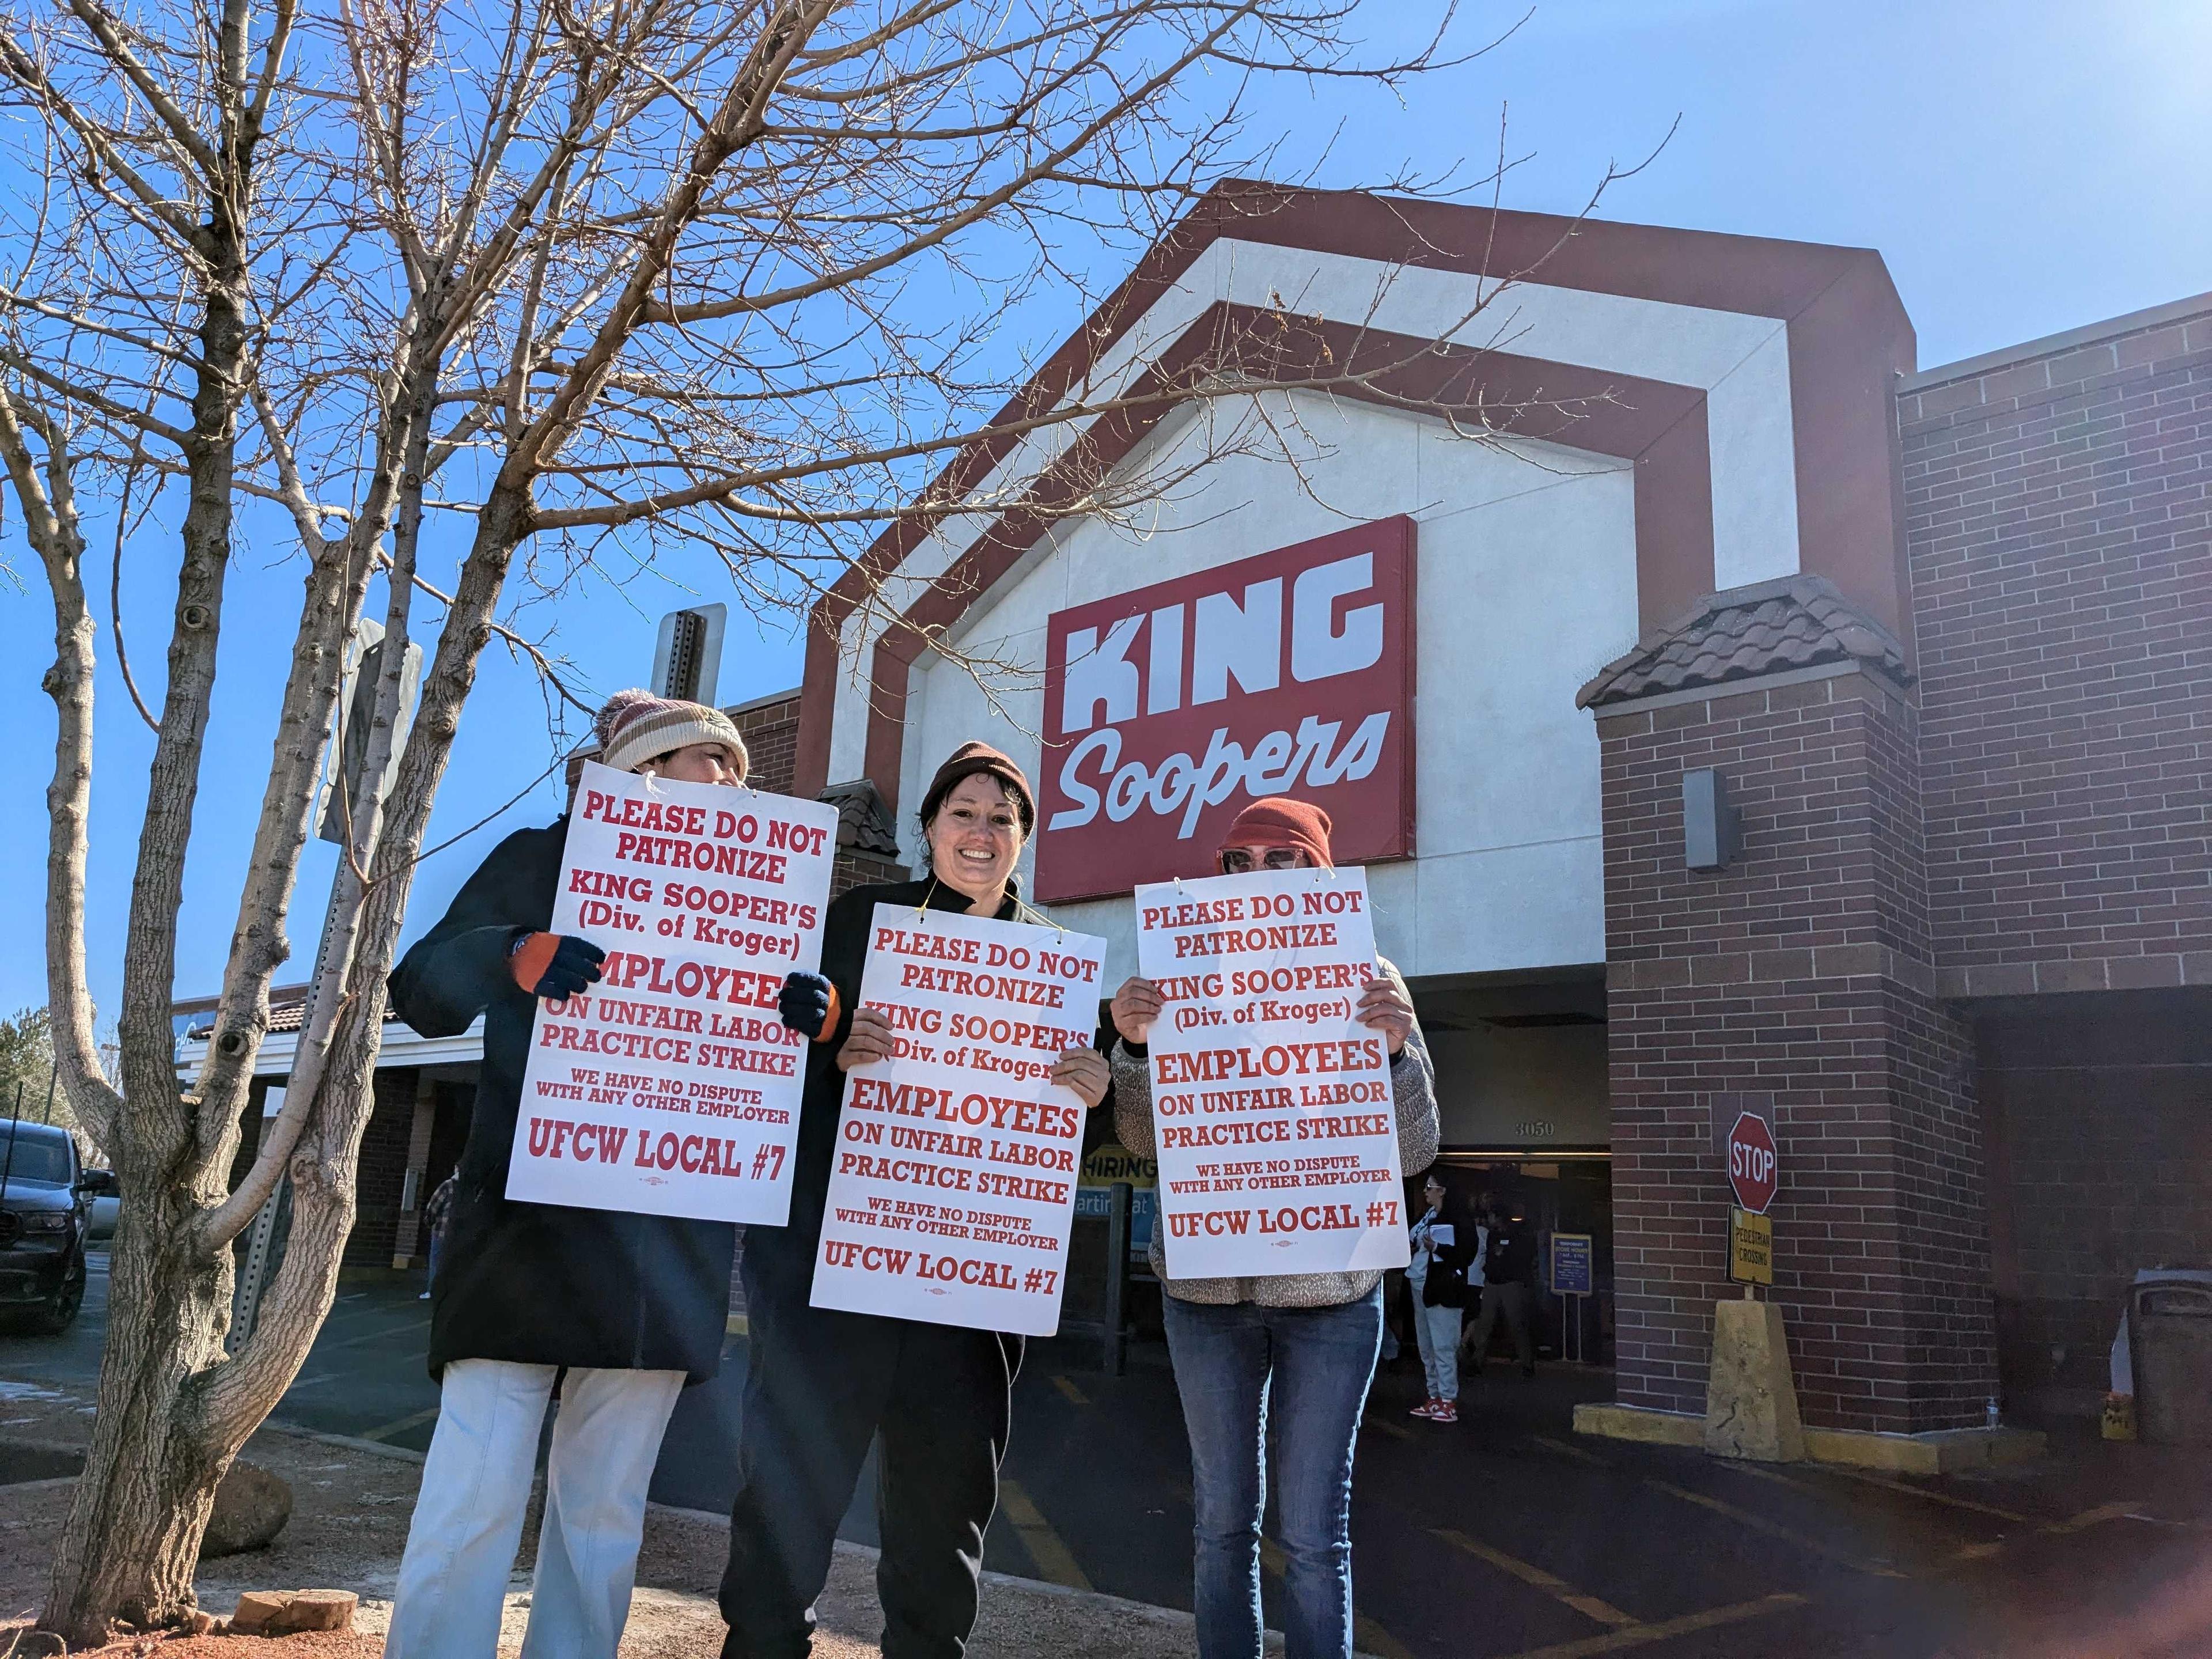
{"type": "Point", "coordinates": [1447, 1411]}
{"type": "Point", "coordinates": [1426, 1408]}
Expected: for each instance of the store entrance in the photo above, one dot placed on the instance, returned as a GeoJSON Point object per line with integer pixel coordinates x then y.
{"type": "Point", "coordinates": [1562, 1198]}
{"type": "Point", "coordinates": [1525, 1119]}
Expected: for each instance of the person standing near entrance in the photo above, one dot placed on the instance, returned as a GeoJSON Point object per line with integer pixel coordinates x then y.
{"type": "Point", "coordinates": [822, 1384]}
{"type": "Point", "coordinates": [1509, 1267]}
{"type": "Point", "coordinates": [1298, 1349]}
{"type": "Point", "coordinates": [1437, 1274]}
{"type": "Point", "coordinates": [435, 1214]}
{"type": "Point", "coordinates": [622, 1310]}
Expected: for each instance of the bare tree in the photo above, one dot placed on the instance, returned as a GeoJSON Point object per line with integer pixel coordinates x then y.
{"type": "Point", "coordinates": [721, 272]}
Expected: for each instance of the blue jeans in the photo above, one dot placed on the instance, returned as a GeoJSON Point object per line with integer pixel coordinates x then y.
{"type": "Point", "coordinates": [1311, 1365]}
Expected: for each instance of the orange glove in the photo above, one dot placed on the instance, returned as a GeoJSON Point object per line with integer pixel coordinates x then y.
{"type": "Point", "coordinates": [554, 964]}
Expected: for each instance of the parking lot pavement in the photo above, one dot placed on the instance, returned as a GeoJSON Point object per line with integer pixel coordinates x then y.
{"type": "Point", "coordinates": [1504, 1534]}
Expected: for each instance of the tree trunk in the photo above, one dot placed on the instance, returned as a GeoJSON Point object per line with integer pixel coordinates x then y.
{"type": "Point", "coordinates": [127, 1550]}
{"type": "Point", "coordinates": [132, 1539]}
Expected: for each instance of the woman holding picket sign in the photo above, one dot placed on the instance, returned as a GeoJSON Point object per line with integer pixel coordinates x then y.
{"type": "Point", "coordinates": [623, 1309]}
{"type": "Point", "coordinates": [1300, 1348]}
{"type": "Point", "coordinates": [823, 1384]}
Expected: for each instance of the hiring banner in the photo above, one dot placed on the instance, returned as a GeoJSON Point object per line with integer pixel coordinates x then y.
{"type": "Point", "coordinates": [956, 1159]}
{"type": "Point", "coordinates": [1276, 1126]}
{"type": "Point", "coordinates": [670, 1087]}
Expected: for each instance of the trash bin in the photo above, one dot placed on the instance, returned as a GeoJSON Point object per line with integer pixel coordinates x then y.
{"type": "Point", "coordinates": [2170, 1346]}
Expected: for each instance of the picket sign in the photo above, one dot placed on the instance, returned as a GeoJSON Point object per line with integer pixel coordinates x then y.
{"type": "Point", "coordinates": [670, 1087]}
{"type": "Point", "coordinates": [1272, 1106]}
{"type": "Point", "coordinates": [954, 1186]}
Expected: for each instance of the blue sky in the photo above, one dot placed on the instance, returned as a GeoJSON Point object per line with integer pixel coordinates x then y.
{"type": "Point", "coordinates": [2024, 168]}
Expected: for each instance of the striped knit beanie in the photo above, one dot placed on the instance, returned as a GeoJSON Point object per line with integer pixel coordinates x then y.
{"type": "Point", "coordinates": [636, 726]}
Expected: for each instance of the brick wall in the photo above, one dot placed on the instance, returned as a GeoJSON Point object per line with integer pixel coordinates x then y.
{"type": "Point", "coordinates": [1798, 980]}
{"type": "Point", "coordinates": [2097, 1109]}
{"type": "Point", "coordinates": [770, 729]}
{"type": "Point", "coordinates": [2060, 542]}
{"type": "Point", "coordinates": [853, 869]}
{"type": "Point", "coordinates": [383, 1171]}
{"type": "Point", "coordinates": [2059, 533]}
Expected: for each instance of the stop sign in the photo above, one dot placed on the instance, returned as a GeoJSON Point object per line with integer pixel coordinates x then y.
{"type": "Point", "coordinates": [1754, 1170]}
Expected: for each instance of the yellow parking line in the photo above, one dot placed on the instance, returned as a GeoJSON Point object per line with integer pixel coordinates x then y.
{"type": "Point", "coordinates": [1970, 1553]}
{"type": "Point", "coordinates": [388, 1430]}
{"type": "Point", "coordinates": [1367, 1636]}
{"type": "Point", "coordinates": [2088, 1518]}
{"type": "Point", "coordinates": [1761, 1523]}
{"type": "Point", "coordinates": [1075, 1396]}
{"type": "Point", "coordinates": [1944, 1497]}
{"type": "Point", "coordinates": [1635, 1636]}
{"type": "Point", "coordinates": [1589, 1605]}
{"type": "Point", "coordinates": [1045, 1545]}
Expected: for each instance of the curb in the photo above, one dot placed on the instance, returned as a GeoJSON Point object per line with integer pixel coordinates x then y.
{"type": "Point", "coordinates": [346, 1442]}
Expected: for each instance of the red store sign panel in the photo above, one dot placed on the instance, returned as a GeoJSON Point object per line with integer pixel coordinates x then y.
{"type": "Point", "coordinates": [1169, 709]}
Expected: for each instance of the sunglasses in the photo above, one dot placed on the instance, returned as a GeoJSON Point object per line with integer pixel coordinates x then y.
{"type": "Point", "coordinates": [1238, 861]}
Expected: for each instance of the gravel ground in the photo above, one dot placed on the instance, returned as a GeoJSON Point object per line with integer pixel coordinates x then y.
{"type": "Point", "coordinates": [350, 1507]}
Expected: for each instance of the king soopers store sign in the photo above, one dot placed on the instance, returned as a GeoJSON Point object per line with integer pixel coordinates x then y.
{"type": "Point", "coordinates": [1169, 708]}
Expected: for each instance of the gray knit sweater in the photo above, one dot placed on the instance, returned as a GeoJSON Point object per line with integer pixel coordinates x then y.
{"type": "Point", "coordinates": [1413, 1084]}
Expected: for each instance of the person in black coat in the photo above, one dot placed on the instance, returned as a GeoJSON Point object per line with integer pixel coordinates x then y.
{"type": "Point", "coordinates": [820, 1384]}
{"type": "Point", "coordinates": [1509, 1270]}
{"type": "Point", "coordinates": [623, 1310]}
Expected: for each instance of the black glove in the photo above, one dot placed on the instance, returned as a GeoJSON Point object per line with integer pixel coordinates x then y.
{"type": "Point", "coordinates": [561, 972]}
{"type": "Point", "coordinates": [804, 1002]}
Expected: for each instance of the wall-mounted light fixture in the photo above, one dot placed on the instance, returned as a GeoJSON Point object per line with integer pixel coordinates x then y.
{"type": "Point", "coordinates": [1713, 830]}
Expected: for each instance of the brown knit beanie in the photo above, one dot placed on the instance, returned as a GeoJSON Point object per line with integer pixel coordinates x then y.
{"type": "Point", "coordinates": [1279, 821]}
{"type": "Point", "coordinates": [968, 760]}
{"type": "Point", "coordinates": [636, 726]}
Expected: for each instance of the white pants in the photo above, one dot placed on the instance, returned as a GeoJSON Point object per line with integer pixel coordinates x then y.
{"type": "Point", "coordinates": [476, 1486]}
{"type": "Point", "coordinates": [1438, 1328]}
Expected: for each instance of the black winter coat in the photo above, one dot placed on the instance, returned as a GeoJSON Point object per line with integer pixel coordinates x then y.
{"type": "Point", "coordinates": [1512, 1256]}
{"type": "Point", "coordinates": [1445, 1286]}
{"type": "Point", "coordinates": [544, 1284]}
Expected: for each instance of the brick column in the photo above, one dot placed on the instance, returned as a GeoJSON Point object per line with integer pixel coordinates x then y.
{"type": "Point", "coordinates": [1800, 976]}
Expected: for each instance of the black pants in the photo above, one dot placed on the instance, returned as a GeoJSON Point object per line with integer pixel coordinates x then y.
{"type": "Point", "coordinates": [1511, 1300]}
{"type": "Point", "coordinates": [819, 1388]}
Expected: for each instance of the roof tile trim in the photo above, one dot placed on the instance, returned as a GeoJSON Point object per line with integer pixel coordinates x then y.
{"type": "Point", "coordinates": [1743, 633]}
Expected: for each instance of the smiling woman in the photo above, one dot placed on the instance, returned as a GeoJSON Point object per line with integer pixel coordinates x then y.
{"type": "Point", "coordinates": [975, 817]}
{"type": "Point", "coordinates": [822, 1385]}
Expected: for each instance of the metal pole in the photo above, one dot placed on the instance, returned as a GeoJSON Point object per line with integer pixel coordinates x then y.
{"type": "Point", "coordinates": [253, 1271]}
{"type": "Point", "coordinates": [1118, 1274]}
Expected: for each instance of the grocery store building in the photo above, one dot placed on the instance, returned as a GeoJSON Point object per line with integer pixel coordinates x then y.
{"type": "Point", "coordinates": [1518, 523]}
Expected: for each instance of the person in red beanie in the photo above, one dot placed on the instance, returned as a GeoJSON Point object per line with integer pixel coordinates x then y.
{"type": "Point", "coordinates": [1294, 1352]}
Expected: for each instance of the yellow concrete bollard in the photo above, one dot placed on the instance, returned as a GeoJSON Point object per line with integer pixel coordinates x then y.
{"type": "Point", "coordinates": [1750, 1402]}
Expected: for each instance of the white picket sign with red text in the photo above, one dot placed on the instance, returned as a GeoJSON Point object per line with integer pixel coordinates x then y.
{"type": "Point", "coordinates": [670, 1087]}
{"type": "Point", "coordinates": [1275, 1118]}
{"type": "Point", "coordinates": [954, 1185]}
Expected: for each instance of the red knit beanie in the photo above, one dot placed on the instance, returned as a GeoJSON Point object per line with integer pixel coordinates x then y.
{"type": "Point", "coordinates": [1280, 821]}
